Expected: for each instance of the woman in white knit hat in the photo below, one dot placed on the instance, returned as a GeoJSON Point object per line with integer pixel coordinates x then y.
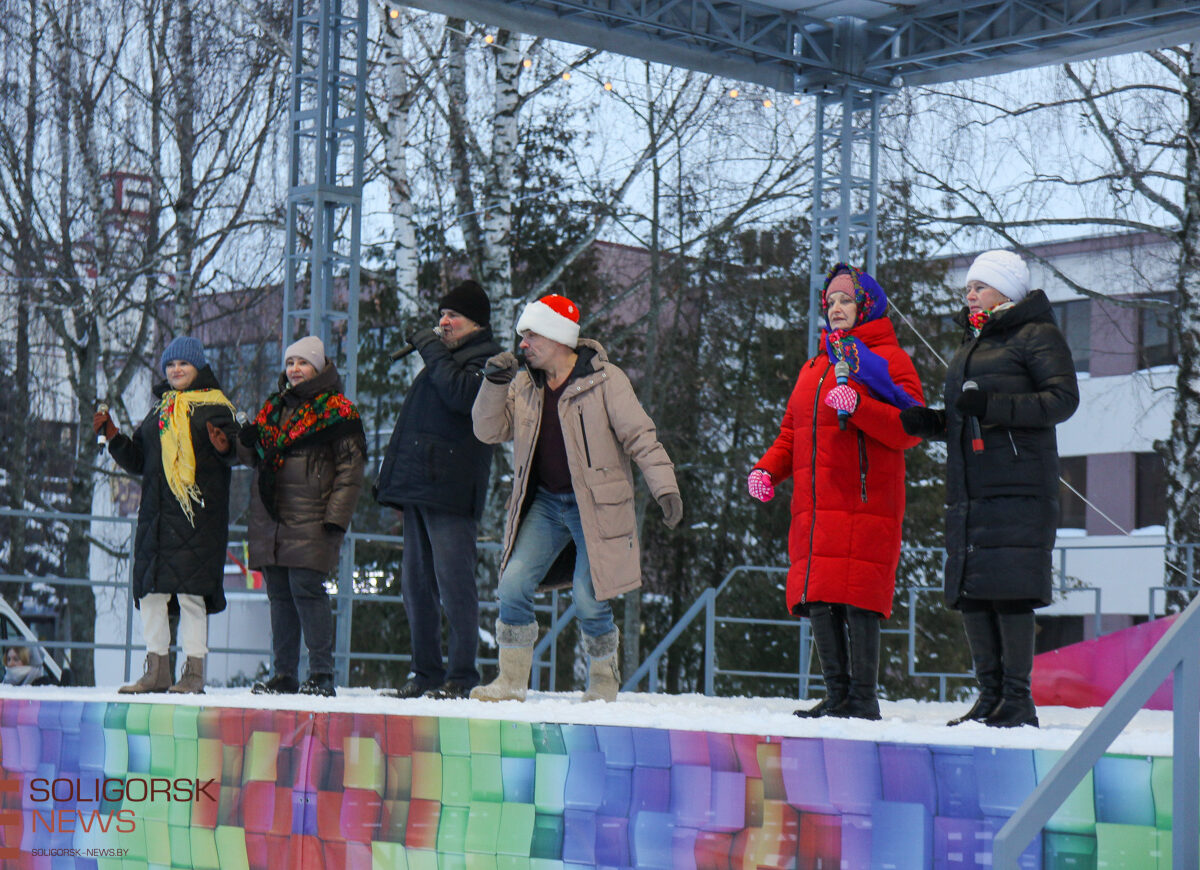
{"type": "Point", "coordinates": [1010, 383]}
{"type": "Point", "coordinates": [308, 447]}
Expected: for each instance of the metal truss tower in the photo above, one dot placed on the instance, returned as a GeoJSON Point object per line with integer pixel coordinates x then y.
{"type": "Point", "coordinates": [845, 186]}
{"type": "Point", "coordinates": [324, 213]}
{"type": "Point", "coordinates": [327, 125]}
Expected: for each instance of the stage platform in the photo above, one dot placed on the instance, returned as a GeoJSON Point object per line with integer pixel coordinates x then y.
{"type": "Point", "coordinates": [231, 780]}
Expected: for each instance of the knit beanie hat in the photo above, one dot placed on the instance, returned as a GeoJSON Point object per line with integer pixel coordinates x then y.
{"type": "Point", "coordinates": [186, 348]}
{"type": "Point", "coordinates": [554, 317]}
{"type": "Point", "coordinates": [1004, 270]}
{"type": "Point", "coordinates": [308, 348]}
{"type": "Point", "coordinates": [469, 300]}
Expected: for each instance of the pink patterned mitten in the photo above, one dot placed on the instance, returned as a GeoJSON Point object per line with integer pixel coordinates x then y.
{"type": "Point", "coordinates": [760, 486]}
{"type": "Point", "coordinates": [842, 398]}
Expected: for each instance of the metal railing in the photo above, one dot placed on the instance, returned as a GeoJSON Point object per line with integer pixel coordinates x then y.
{"type": "Point", "coordinates": [1177, 653]}
{"type": "Point", "coordinates": [349, 595]}
{"type": "Point", "coordinates": [120, 549]}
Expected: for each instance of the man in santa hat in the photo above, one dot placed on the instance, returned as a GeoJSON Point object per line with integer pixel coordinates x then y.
{"type": "Point", "coordinates": [576, 427]}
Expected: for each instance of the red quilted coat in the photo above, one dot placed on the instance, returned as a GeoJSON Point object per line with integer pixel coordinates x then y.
{"type": "Point", "coordinates": [848, 485]}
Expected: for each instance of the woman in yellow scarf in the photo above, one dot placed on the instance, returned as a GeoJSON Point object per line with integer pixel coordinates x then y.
{"type": "Point", "coordinates": [183, 452]}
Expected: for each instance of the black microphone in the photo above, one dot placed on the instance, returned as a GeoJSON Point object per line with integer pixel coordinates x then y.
{"type": "Point", "coordinates": [841, 371]}
{"type": "Point", "coordinates": [410, 348]}
{"type": "Point", "coordinates": [488, 371]}
{"type": "Point", "coordinates": [976, 434]}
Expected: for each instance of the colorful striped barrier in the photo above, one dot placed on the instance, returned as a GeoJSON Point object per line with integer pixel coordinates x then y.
{"type": "Point", "coordinates": [116, 785]}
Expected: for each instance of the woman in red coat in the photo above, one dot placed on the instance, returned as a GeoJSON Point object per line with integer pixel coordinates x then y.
{"type": "Point", "coordinates": [842, 442]}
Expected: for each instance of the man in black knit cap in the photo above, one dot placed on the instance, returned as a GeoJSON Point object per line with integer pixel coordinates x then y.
{"type": "Point", "coordinates": [436, 471]}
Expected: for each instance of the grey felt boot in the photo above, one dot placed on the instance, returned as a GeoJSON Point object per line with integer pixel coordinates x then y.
{"type": "Point", "coordinates": [604, 676]}
{"type": "Point", "coordinates": [516, 661]}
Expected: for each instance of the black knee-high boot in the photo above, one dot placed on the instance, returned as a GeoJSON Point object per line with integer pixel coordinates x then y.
{"type": "Point", "coordinates": [829, 636]}
{"type": "Point", "coordinates": [983, 637]}
{"type": "Point", "coordinates": [1016, 642]}
{"type": "Point", "coordinates": [863, 701]}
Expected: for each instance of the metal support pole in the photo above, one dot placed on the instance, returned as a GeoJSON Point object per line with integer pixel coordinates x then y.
{"type": "Point", "coordinates": [845, 188]}
{"type": "Point", "coordinates": [327, 123]}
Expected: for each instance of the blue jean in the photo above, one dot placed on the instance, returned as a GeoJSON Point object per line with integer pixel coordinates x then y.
{"type": "Point", "coordinates": [438, 576]}
{"type": "Point", "coordinates": [552, 521]}
{"type": "Point", "coordinates": [299, 602]}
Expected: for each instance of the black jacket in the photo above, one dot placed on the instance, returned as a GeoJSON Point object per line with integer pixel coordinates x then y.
{"type": "Point", "coordinates": [434, 459]}
{"type": "Point", "coordinates": [171, 555]}
{"type": "Point", "coordinates": [1002, 503]}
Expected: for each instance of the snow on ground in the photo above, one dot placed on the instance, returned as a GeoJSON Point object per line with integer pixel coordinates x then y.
{"type": "Point", "coordinates": [918, 722]}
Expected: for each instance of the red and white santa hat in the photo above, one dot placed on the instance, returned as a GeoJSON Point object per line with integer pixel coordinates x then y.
{"type": "Point", "coordinates": [554, 317]}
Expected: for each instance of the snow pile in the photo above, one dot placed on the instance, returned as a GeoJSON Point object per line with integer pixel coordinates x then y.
{"type": "Point", "coordinates": [917, 722]}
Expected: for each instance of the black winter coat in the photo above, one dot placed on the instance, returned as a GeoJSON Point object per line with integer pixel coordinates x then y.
{"type": "Point", "coordinates": [170, 555]}
{"type": "Point", "coordinates": [1002, 503]}
{"type": "Point", "coordinates": [434, 459]}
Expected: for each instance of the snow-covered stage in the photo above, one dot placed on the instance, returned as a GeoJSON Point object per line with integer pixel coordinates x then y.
{"type": "Point", "coordinates": [233, 780]}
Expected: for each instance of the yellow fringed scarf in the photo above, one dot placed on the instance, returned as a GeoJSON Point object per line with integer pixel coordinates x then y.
{"type": "Point", "coordinates": [175, 435]}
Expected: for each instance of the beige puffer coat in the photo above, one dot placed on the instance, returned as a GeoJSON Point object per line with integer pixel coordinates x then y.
{"type": "Point", "coordinates": [318, 487]}
{"type": "Point", "coordinates": [604, 427]}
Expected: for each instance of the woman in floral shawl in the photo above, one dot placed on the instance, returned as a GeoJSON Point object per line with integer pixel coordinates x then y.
{"type": "Point", "coordinates": [183, 452]}
{"type": "Point", "coordinates": [843, 446]}
{"type": "Point", "coordinates": [308, 446]}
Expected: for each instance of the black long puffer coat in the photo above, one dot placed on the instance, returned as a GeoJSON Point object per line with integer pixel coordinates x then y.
{"type": "Point", "coordinates": [1002, 504]}
{"type": "Point", "coordinates": [171, 555]}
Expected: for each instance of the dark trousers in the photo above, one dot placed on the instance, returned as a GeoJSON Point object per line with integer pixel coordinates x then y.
{"type": "Point", "coordinates": [438, 576]}
{"type": "Point", "coordinates": [299, 602]}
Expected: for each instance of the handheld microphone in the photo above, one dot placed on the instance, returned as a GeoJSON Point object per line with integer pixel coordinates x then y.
{"type": "Point", "coordinates": [409, 348]}
{"type": "Point", "coordinates": [102, 408]}
{"type": "Point", "coordinates": [976, 434]}
{"type": "Point", "coordinates": [841, 371]}
{"type": "Point", "coordinates": [488, 371]}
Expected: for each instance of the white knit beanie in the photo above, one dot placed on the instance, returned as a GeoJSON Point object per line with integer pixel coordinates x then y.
{"type": "Point", "coordinates": [308, 348]}
{"type": "Point", "coordinates": [554, 317]}
{"type": "Point", "coordinates": [1003, 270]}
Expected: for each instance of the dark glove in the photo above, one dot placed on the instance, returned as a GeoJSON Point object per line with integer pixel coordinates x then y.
{"type": "Point", "coordinates": [923, 422]}
{"type": "Point", "coordinates": [102, 422]}
{"type": "Point", "coordinates": [672, 508]}
{"type": "Point", "coordinates": [501, 368]}
{"type": "Point", "coordinates": [423, 337]}
{"type": "Point", "coordinates": [248, 435]}
{"type": "Point", "coordinates": [333, 528]}
{"type": "Point", "coordinates": [972, 403]}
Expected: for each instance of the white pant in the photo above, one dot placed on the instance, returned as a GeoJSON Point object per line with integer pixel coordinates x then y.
{"type": "Point", "coordinates": [193, 624]}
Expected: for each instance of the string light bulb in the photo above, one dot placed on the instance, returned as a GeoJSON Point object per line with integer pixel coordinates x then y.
{"type": "Point", "coordinates": [795, 101]}
{"type": "Point", "coordinates": [608, 86]}
{"type": "Point", "coordinates": [393, 13]}
{"type": "Point", "coordinates": [733, 92]}
{"type": "Point", "coordinates": [527, 63]}
{"type": "Point", "coordinates": [567, 76]}
{"type": "Point", "coordinates": [767, 104]}
{"type": "Point", "coordinates": [489, 39]}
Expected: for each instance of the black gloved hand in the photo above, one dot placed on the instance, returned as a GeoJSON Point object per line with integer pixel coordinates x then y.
{"type": "Point", "coordinates": [972, 403]}
{"type": "Point", "coordinates": [501, 368]}
{"type": "Point", "coordinates": [248, 435]}
{"type": "Point", "coordinates": [422, 337]}
{"type": "Point", "coordinates": [672, 508]}
{"type": "Point", "coordinates": [923, 422]}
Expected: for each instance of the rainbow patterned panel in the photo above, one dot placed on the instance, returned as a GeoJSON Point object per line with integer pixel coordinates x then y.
{"type": "Point", "coordinates": [117, 785]}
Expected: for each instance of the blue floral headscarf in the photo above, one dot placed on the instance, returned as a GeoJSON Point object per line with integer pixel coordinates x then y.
{"type": "Point", "coordinates": [866, 366]}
